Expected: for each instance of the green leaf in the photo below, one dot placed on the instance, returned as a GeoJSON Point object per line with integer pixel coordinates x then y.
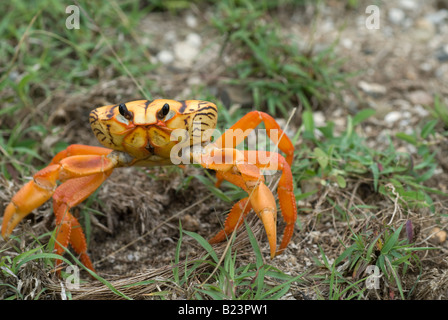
{"type": "Point", "coordinates": [253, 241]}
{"type": "Point", "coordinates": [177, 255]}
{"type": "Point", "coordinates": [321, 157]}
{"type": "Point", "coordinates": [391, 241]}
{"type": "Point", "coordinates": [204, 243]}
{"type": "Point", "coordinates": [406, 137]}
{"type": "Point", "coordinates": [362, 116]}
{"type": "Point", "coordinates": [376, 174]}
{"type": "Point", "coordinates": [308, 122]}
{"type": "Point", "coordinates": [370, 248]}
{"type": "Point", "coordinates": [341, 181]}
{"type": "Point", "coordinates": [428, 128]}
{"type": "Point", "coordinates": [347, 252]}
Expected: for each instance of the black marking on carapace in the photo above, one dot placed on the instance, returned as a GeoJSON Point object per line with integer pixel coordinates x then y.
{"type": "Point", "coordinates": [98, 132]}
{"type": "Point", "coordinates": [210, 115]}
{"type": "Point", "coordinates": [110, 135]}
{"type": "Point", "coordinates": [208, 108]}
{"type": "Point", "coordinates": [203, 123]}
{"type": "Point", "coordinates": [93, 117]}
{"type": "Point", "coordinates": [183, 107]}
{"type": "Point", "coordinates": [186, 121]}
{"type": "Point", "coordinates": [147, 103]}
{"type": "Point", "coordinates": [200, 103]}
{"type": "Point", "coordinates": [110, 113]}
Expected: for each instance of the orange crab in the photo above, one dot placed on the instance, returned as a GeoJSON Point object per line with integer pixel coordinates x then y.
{"type": "Point", "coordinates": [140, 133]}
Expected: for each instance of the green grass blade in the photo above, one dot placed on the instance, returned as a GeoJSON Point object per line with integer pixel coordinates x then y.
{"type": "Point", "coordinates": [204, 243]}
{"type": "Point", "coordinates": [253, 241]}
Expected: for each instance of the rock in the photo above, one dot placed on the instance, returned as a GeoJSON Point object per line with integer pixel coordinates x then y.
{"type": "Point", "coordinates": [426, 67]}
{"type": "Point", "coordinates": [392, 117]}
{"type": "Point", "coordinates": [424, 31]}
{"type": "Point", "coordinates": [420, 97]}
{"type": "Point", "coordinates": [194, 39]}
{"type": "Point", "coordinates": [165, 57]}
{"type": "Point", "coordinates": [409, 4]}
{"type": "Point", "coordinates": [438, 17]}
{"type": "Point", "coordinates": [170, 37]}
{"type": "Point", "coordinates": [373, 89]}
{"type": "Point", "coordinates": [190, 223]}
{"type": "Point", "coordinates": [439, 235]}
{"type": "Point", "coordinates": [442, 72]}
{"type": "Point", "coordinates": [420, 111]}
{"type": "Point", "coordinates": [347, 43]}
{"type": "Point", "coordinates": [396, 15]}
{"type": "Point", "coordinates": [442, 53]}
{"type": "Point", "coordinates": [191, 21]}
{"type": "Point", "coordinates": [186, 51]}
{"type": "Point", "coordinates": [401, 104]}
{"type": "Point", "coordinates": [319, 119]}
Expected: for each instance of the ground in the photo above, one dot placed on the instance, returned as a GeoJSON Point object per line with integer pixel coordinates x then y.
{"type": "Point", "coordinates": [398, 70]}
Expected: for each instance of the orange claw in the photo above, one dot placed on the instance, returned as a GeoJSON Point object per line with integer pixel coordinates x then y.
{"type": "Point", "coordinates": [260, 199]}
{"type": "Point", "coordinates": [249, 177]}
{"type": "Point", "coordinates": [83, 173]}
{"type": "Point", "coordinates": [285, 191]}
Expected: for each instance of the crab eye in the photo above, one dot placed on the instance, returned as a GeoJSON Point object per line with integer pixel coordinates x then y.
{"type": "Point", "coordinates": [124, 111]}
{"type": "Point", "coordinates": [164, 111]}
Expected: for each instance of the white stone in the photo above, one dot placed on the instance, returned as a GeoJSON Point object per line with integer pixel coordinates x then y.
{"type": "Point", "coordinates": [185, 52]}
{"type": "Point", "coordinates": [347, 43]}
{"type": "Point", "coordinates": [420, 111]}
{"type": "Point", "coordinates": [392, 117]}
{"type": "Point", "coordinates": [165, 57]}
{"type": "Point", "coordinates": [194, 39]}
{"type": "Point", "coordinates": [437, 17]}
{"type": "Point", "coordinates": [396, 15]}
{"type": "Point", "coordinates": [319, 119]}
{"type": "Point", "coordinates": [409, 4]}
{"type": "Point", "coordinates": [191, 21]}
{"type": "Point", "coordinates": [372, 88]}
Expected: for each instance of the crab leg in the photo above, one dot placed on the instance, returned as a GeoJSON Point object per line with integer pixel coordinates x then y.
{"type": "Point", "coordinates": [242, 128]}
{"type": "Point", "coordinates": [285, 190]}
{"type": "Point", "coordinates": [68, 195]}
{"type": "Point", "coordinates": [233, 220]}
{"type": "Point", "coordinates": [78, 150]}
{"type": "Point", "coordinates": [82, 173]}
{"type": "Point", "coordinates": [248, 177]}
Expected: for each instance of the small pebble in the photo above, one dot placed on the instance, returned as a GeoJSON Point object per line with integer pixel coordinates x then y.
{"type": "Point", "coordinates": [440, 235]}
{"type": "Point", "coordinates": [165, 57]}
{"type": "Point", "coordinates": [373, 89]}
{"type": "Point", "coordinates": [392, 117]}
{"type": "Point", "coordinates": [396, 15]}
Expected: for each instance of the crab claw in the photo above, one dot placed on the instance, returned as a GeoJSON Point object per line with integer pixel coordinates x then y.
{"type": "Point", "coordinates": [263, 203]}
{"type": "Point", "coordinates": [269, 220]}
{"type": "Point", "coordinates": [80, 174]}
{"type": "Point", "coordinates": [36, 192]}
{"type": "Point", "coordinates": [13, 215]}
